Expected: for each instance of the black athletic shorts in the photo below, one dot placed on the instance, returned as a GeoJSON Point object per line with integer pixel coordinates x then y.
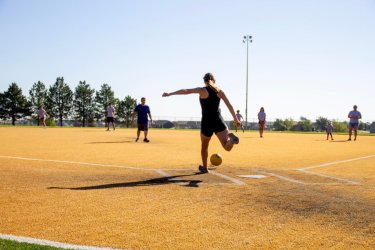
{"type": "Point", "coordinates": [143, 126]}
{"type": "Point", "coordinates": [211, 125]}
{"type": "Point", "coordinates": [110, 119]}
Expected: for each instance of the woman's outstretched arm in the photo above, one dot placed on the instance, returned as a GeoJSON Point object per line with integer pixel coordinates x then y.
{"type": "Point", "coordinates": [199, 91]}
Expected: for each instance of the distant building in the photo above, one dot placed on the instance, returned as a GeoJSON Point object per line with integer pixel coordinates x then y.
{"type": "Point", "coordinates": [372, 127]}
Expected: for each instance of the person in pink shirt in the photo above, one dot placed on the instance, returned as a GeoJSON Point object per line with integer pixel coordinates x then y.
{"type": "Point", "coordinates": [262, 121]}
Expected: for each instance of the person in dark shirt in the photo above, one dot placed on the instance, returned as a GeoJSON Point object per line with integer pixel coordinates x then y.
{"type": "Point", "coordinates": [212, 121]}
{"type": "Point", "coordinates": [143, 112]}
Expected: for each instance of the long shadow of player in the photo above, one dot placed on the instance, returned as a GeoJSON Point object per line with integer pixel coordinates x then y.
{"type": "Point", "coordinates": [150, 182]}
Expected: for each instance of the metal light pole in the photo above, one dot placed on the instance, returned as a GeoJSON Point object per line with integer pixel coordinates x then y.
{"type": "Point", "coordinates": [247, 39]}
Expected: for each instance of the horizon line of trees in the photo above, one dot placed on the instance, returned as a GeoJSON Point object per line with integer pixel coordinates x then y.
{"type": "Point", "coordinates": [320, 124]}
{"type": "Point", "coordinates": [87, 105]}
{"type": "Point", "coordinates": [84, 104]}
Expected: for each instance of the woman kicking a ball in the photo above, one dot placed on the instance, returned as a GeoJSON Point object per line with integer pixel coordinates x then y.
{"type": "Point", "coordinates": [212, 121]}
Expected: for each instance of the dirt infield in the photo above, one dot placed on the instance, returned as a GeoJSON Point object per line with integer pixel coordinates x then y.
{"type": "Point", "coordinates": [92, 187]}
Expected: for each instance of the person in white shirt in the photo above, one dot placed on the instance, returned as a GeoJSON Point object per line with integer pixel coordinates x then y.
{"type": "Point", "coordinates": [354, 117]}
{"type": "Point", "coordinates": [42, 115]}
{"type": "Point", "coordinates": [262, 121]}
{"type": "Point", "coordinates": [240, 118]}
{"type": "Point", "coordinates": [110, 116]}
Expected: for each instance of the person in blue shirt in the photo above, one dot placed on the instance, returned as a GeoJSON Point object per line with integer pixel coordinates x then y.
{"type": "Point", "coordinates": [143, 112]}
{"type": "Point", "coordinates": [212, 122]}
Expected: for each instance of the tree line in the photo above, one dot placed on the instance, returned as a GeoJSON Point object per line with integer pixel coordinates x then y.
{"type": "Point", "coordinates": [84, 104]}
{"type": "Point", "coordinates": [319, 125]}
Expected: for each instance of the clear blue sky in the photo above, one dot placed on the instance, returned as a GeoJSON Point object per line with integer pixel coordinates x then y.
{"type": "Point", "coordinates": [308, 58]}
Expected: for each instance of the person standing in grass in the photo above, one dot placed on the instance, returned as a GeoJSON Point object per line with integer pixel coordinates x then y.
{"type": "Point", "coordinates": [212, 121]}
{"type": "Point", "coordinates": [143, 112]}
{"type": "Point", "coordinates": [261, 121]}
{"type": "Point", "coordinates": [110, 116]}
{"type": "Point", "coordinates": [329, 130]}
{"type": "Point", "coordinates": [240, 118]}
{"type": "Point", "coordinates": [42, 115]}
{"type": "Point", "coordinates": [354, 117]}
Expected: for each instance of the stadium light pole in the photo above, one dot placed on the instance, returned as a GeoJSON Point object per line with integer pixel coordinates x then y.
{"type": "Point", "coordinates": [247, 39]}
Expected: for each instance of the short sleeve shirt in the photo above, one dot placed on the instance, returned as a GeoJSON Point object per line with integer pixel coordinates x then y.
{"type": "Point", "coordinates": [261, 116]}
{"type": "Point", "coordinates": [142, 112]}
{"type": "Point", "coordinates": [110, 111]}
{"type": "Point", "coordinates": [354, 116]}
{"type": "Point", "coordinates": [239, 116]}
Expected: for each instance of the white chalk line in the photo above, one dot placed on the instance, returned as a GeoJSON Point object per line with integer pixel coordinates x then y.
{"type": "Point", "coordinates": [74, 162]}
{"type": "Point", "coordinates": [165, 174]}
{"type": "Point", "coordinates": [50, 243]}
{"type": "Point", "coordinates": [305, 169]}
{"type": "Point", "coordinates": [234, 180]}
{"type": "Point", "coordinates": [281, 177]}
{"type": "Point", "coordinates": [329, 177]}
{"type": "Point", "coordinates": [159, 171]}
{"type": "Point", "coordinates": [336, 162]}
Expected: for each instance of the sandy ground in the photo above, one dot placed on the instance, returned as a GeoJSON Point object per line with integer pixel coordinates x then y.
{"type": "Point", "coordinates": [92, 187]}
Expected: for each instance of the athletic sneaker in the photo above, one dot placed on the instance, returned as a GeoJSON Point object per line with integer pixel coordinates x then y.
{"type": "Point", "coordinates": [146, 140]}
{"type": "Point", "coordinates": [234, 139]}
{"type": "Point", "coordinates": [202, 170]}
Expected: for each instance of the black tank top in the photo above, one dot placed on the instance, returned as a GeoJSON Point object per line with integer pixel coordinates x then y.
{"type": "Point", "coordinates": [210, 105]}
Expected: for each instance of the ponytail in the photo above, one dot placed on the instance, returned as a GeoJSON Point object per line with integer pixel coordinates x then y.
{"type": "Point", "coordinates": [208, 78]}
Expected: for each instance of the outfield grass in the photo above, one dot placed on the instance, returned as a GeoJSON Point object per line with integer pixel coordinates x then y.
{"type": "Point", "coordinates": [14, 245]}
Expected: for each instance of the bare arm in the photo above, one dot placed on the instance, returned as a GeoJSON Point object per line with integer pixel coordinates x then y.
{"type": "Point", "coordinates": [201, 91]}
{"type": "Point", "coordinates": [222, 95]}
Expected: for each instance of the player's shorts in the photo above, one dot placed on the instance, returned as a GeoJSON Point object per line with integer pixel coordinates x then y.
{"type": "Point", "coordinates": [142, 126]}
{"type": "Point", "coordinates": [353, 124]}
{"type": "Point", "coordinates": [261, 123]}
{"type": "Point", "coordinates": [110, 119]}
{"type": "Point", "coordinates": [41, 117]}
{"type": "Point", "coordinates": [212, 125]}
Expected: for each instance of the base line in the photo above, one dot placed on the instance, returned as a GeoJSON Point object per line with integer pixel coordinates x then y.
{"type": "Point", "coordinates": [336, 162]}
{"type": "Point", "coordinates": [72, 162]}
{"type": "Point", "coordinates": [238, 182]}
{"type": "Point", "coordinates": [305, 169]}
{"type": "Point", "coordinates": [42, 242]}
{"type": "Point", "coordinates": [281, 177]}
{"type": "Point", "coordinates": [329, 177]}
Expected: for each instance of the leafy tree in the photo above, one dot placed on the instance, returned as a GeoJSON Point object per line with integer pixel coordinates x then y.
{"type": "Point", "coordinates": [305, 124]}
{"type": "Point", "coordinates": [84, 103]}
{"type": "Point", "coordinates": [339, 126]}
{"type": "Point", "coordinates": [125, 109]}
{"type": "Point", "coordinates": [279, 125]}
{"type": "Point", "coordinates": [59, 100]}
{"type": "Point", "coordinates": [14, 104]}
{"type": "Point", "coordinates": [289, 123]}
{"type": "Point", "coordinates": [104, 96]}
{"type": "Point", "coordinates": [321, 123]}
{"type": "Point", "coordinates": [37, 96]}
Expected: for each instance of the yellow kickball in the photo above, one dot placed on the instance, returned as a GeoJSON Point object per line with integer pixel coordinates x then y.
{"type": "Point", "coordinates": [216, 159]}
